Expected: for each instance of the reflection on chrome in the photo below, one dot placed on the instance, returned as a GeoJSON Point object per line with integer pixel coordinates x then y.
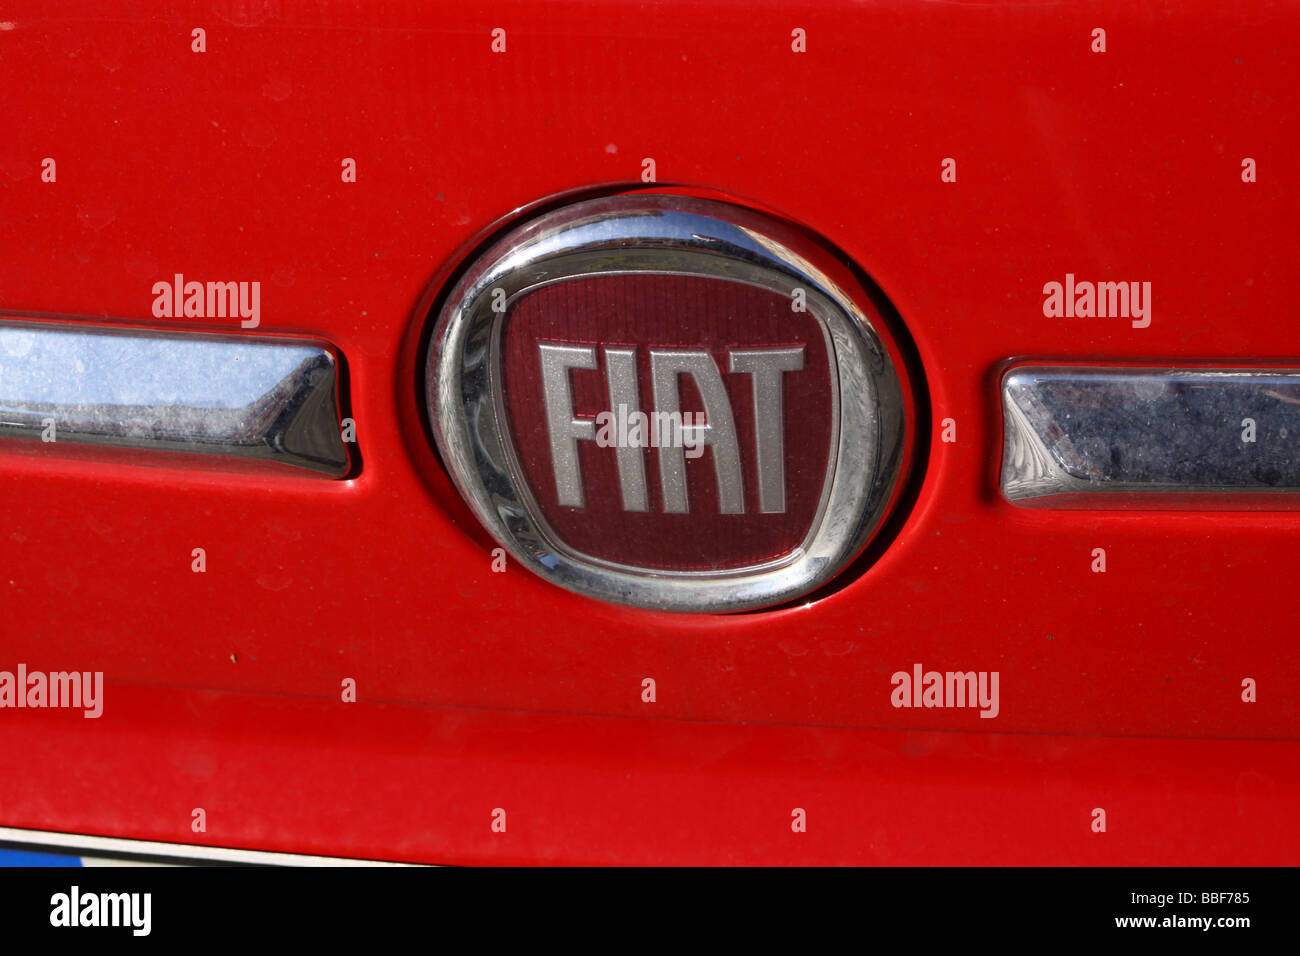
{"type": "Point", "coordinates": [260, 399]}
{"type": "Point", "coordinates": [1114, 437]}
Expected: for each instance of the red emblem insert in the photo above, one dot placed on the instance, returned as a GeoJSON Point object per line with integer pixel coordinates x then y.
{"type": "Point", "coordinates": [669, 421]}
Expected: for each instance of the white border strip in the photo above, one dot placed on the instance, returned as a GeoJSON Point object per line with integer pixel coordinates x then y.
{"type": "Point", "coordinates": [180, 851]}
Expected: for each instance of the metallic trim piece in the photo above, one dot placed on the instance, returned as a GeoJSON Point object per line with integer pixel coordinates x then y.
{"type": "Point", "coordinates": [269, 400]}
{"type": "Point", "coordinates": [668, 235]}
{"type": "Point", "coordinates": [181, 852]}
{"type": "Point", "coordinates": [1151, 438]}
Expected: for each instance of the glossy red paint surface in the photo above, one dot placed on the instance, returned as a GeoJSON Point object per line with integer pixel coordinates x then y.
{"type": "Point", "coordinates": [226, 165]}
{"type": "Point", "coordinates": [421, 783]}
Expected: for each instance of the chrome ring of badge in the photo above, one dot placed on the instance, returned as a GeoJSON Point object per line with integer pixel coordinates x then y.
{"type": "Point", "coordinates": [664, 235]}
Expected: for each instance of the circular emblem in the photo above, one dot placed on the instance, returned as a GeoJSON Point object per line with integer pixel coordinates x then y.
{"type": "Point", "coordinates": [668, 402]}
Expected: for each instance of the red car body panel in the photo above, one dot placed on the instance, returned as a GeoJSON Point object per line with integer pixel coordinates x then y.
{"type": "Point", "coordinates": [224, 687]}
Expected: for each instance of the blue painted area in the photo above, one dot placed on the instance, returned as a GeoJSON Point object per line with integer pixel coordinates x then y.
{"type": "Point", "coordinates": [23, 858]}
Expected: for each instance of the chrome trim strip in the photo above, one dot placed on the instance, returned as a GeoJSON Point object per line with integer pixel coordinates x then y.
{"type": "Point", "coordinates": [262, 399]}
{"type": "Point", "coordinates": [649, 234]}
{"type": "Point", "coordinates": [1154, 438]}
{"type": "Point", "coordinates": [179, 851]}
